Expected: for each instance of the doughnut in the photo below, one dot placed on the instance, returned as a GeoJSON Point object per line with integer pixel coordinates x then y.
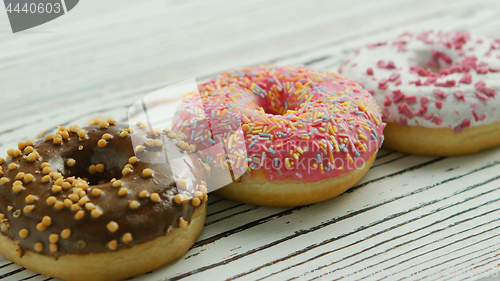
{"type": "Point", "coordinates": [438, 90]}
{"type": "Point", "coordinates": [289, 135]}
{"type": "Point", "coordinates": [84, 204]}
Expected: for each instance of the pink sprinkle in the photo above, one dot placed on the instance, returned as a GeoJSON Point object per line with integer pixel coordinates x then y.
{"type": "Point", "coordinates": [369, 71]}
{"type": "Point", "coordinates": [372, 46]}
{"type": "Point", "coordinates": [424, 99]}
{"type": "Point", "coordinates": [398, 95]}
{"type": "Point", "coordinates": [466, 123]}
{"type": "Point", "coordinates": [416, 82]}
{"type": "Point", "coordinates": [430, 80]}
{"type": "Point", "coordinates": [477, 116]}
{"type": "Point", "coordinates": [389, 65]}
{"type": "Point", "coordinates": [411, 99]}
{"type": "Point", "coordinates": [481, 87]}
{"type": "Point", "coordinates": [439, 104]}
{"type": "Point", "coordinates": [459, 94]}
{"type": "Point", "coordinates": [405, 109]}
{"type": "Point", "coordinates": [482, 70]}
{"type": "Point", "coordinates": [494, 69]}
{"type": "Point", "coordinates": [394, 76]}
{"type": "Point", "coordinates": [463, 125]}
{"type": "Point", "coordinates": [421, 111]}
{"type": "Point", "coordinates": [403, 122]}
{"type": "Point", "coordinates": [398, 83]}
{"type": "Point", "coordinates": [383, 86]}
{"type": "Point", "coordinates": [387, 101]}
{"type": "Point", "coordinates": [448, 83]}
{"type": "Point", "coordinates": [482, 96]}
{"type": "Point", "coordinates": [440, 93]}
{"type": "Point", "coordinates": [466, 79]}
{"type": "Point", "coordinates": [429, 117]}
{"type": "Point", "coordinates": [437, 120]}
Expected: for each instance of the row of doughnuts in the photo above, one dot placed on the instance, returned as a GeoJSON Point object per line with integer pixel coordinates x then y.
{"type": "Point", "coordinates": [283, 136]}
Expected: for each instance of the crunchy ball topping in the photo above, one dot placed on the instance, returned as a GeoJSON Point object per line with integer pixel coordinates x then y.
{"type": "Point", "coordinates": [53, 248]}
{"type": "Point", "coordinates": [71, 162]}
{"type": "Point", "coordinates": [182, 183]}
{"type": "Point", "coordinates": [28, 178]}
{"type": "Point", "coordinates": [20, 175]}
{"type": "Point", "coordinates": [17, 188]}
{"type": "Point", "coordinates": [155, 197]}
{"type": "Point", "coordinates": [95, 213]}
{"type": "Point", "coordinates": [47, 170]}
{"type": "Point", "coordinates": [39, 246]}
{"type": "Point", "coordinates": [23, 233]}
{"type": "Point", "coordinates": [117, 183]}
{"type": "Point", "coordinates": [59, 205]}
{"type": "Point", "coordinates": [180, 198]}
{"type": "Point", "coordinates": [30, 199]}
{"type": "Point", "coordinates": [112, 226]}
{"type": "Point", "coordinates": [112, 244]}
{"type": "Point", "coordinates": [133, 204]}
{"type": "Point", "coordinates": [143, 194]}
{"type": "Point", "coordinates": [100, 168]}
{"type": "Point", "coordinates": [12, 166]}
{"type": "Point", "coordinates": [41, 227]}
{"type": "Point", "coordinates": [126, 171]}
{"type": "Point", "coordinates": [46, 179]}
{"type": "Point", "coordinates": [139, 148]}
{"type": "Point", "coordinates": [2, 161]}
{"type": "Point", "coordinates": [123, 191]}
{"type": "Point", "coordinates": [123, 134]}
{"type": "Point", "coordinates": [96, 192]}
{"type": "Point", "coordinates": [54, 238]}
{"type": "Point", "coordinates": [147, 173]}
{"type": "Point", "coordinates": [47, 221]}
{"type": "Point", "coordinates": [127, 238]}
{"type": "Point", "coordinates": [182, 223]}
{"type": "Point", "coordinates": [102, 143]}
{"type": "Point", "coordinates": [28, 209]}
{"type": "Point", "coordinates": [106, 137]}
{"type": "Point", "coordinates": [195, 201]}
{"type": "Point", "coordinates": [66, 233]}
{"type": "Point", "coordinates": [132, 160]}
{"type": "Point", "coordinates": [79, 215]}
{"type": "Point", "coordinates": [103, 124]}
{"type": "Point", "coordinates": [82, 133]}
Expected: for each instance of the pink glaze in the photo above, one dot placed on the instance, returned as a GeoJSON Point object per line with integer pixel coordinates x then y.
{"type": "Point", "coordinates": [291, 121]}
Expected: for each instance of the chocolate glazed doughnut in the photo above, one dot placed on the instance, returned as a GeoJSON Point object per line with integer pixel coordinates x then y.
{"type": "Point", "coordinates": [84, 204]}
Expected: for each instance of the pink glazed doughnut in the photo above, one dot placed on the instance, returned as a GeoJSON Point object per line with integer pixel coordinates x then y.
{"type": "Point", "coordinates": [438, 90]}
{"type": "Point", "coordinates": [291, 135]}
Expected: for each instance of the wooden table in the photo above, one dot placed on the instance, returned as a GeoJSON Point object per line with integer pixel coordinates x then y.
{"type": "Point", "coordinates": [434, 218]}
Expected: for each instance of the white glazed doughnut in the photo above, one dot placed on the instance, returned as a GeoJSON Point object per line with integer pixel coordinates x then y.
{"type": "Point", "coordinates": [438, 90]}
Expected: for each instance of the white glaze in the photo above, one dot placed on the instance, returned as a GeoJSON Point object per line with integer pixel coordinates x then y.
{"type": "Point", "coordinates": [410, 50]}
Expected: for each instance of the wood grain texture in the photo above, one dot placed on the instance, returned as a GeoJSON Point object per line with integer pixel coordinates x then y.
{"type": "Point", "coordinates": [409, 214]}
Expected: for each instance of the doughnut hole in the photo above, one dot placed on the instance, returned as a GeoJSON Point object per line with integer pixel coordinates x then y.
{"type": "Point", "coordinates": [431, 59]}
{"type": "Point", "coordinates": [287, 100]}
{"type": "Point", "coordinates": [114, 159]}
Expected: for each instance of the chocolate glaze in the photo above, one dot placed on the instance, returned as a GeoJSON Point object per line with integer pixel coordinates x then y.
{"type": "Point", "coordinates": [149, 221]}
